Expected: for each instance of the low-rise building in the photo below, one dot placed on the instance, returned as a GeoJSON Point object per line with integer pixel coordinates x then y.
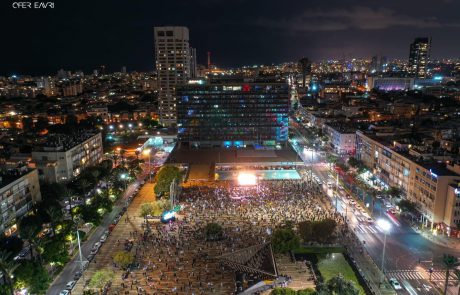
{"type": "Point", "coordinates": [64, 157]}
{"type": "Point", "coordinates": [342, 138]}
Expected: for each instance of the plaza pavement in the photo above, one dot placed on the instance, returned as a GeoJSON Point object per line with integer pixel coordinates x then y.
{"type": "Point", "coordinates": [103, 259]}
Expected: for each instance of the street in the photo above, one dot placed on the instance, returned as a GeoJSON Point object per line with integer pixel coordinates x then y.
{"type": "Point", "coordinates": [67, 274]}
{"type": "Point", "coordinates": [408, 255]}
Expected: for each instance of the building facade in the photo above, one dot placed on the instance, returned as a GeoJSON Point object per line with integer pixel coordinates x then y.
{"type": "Point", "coordinates": [418, 57]}
{"type": "Point", "coordinates": [390, 83]}
{"type": "Point", "coordinates": [64, 157]}
{"type": "Point", "coordinates": [19, 191]}
{"type": "Point", "coordinates": [234, 113]}
{"type": "Point", "coordinates": [424, 183]}
{"type": "Point", "coordinates": [172, 60]}
{"type": "Point", "coordinates": [342, 139]}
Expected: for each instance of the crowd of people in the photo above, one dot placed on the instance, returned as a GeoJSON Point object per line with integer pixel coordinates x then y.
{"type": "Point", "coordinates": [176, 258]}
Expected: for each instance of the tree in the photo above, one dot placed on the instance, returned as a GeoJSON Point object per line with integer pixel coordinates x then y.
{"type": "Point", "coordinates": [283, 291]}
{"type": "Point", "coordinates": [32, 276]}
{"type": "Point", "coordinates": [331, 159]}
{"type": "Point", "coordinates": [319, 231]}
{"type": "Point", "coordinates": [308, 291]}
{"type": "Point", "coordinates": [407, 206]}
{"type": "Point", "coordinates": [353, 162]}
{"type": "Point", "coordinates": [213, 231]}
{"type": "Point", "coordinates": [123, 259]}
{"type": "Point", "coordinates": [394, 191]}
{"type": "Point", "coordinates": [11, 244]}
{"type": "Point", "coordinates": [89, 214]}
{"type": "Point", "coordinates": [7, 268]}
{"type": "Point", "coordinates": [450, 262]}
{"type": "Point", "coordinates": [101, 278]}
{"type": "Point", "coordinates": [338, 285]}
{"type": "Point", "coordinates": [285, 240]}
{"type": "Point", "coordinates": [165, 176]}
{"type": "Point", "coordinates": [56, 251]}
{"type": "Point", "coordinates": [56, 216]}
{"type": "Point", "coordinates": [29, 227]}
{"type": "Point", "coordinates": [146, 209]}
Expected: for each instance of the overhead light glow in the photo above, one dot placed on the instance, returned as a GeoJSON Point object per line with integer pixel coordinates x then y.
{"type": "Point", "coordinates": [246, 179]}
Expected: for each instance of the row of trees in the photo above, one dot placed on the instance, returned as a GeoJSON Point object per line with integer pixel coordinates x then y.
{"type": "Point", "coordinates": [285, 239]}
{"type": "Point", "coordinates": [337, 285]}
{"type": "Point", "coordinates": [165, 177]}
{"type": "Point", "coordinates": [49, 232]}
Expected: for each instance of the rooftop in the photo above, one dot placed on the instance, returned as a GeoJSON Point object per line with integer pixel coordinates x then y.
{"type": "Point", "coordinates": [8, 176]}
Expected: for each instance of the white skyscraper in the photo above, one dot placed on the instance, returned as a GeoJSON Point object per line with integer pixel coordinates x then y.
{"type": "Point", "coordinates": [172, 60]}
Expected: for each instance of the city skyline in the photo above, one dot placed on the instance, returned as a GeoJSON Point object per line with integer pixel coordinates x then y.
{"type": "Point", "coordinates": [86, 35]}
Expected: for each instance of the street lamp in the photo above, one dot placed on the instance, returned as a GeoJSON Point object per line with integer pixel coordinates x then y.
{"type": "Point", "coordinates": [145, 153]}
{"type": "Point", "coordinates": [124, 177]}
{"type": "Point", "coordinates": [386, 227]}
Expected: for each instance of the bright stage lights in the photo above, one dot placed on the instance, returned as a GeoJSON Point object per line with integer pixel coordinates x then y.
{"type": "Point", "coordinates": [247, 179]}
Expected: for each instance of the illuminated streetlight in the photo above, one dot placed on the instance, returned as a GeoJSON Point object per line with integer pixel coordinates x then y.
{"type": "Point", "coordinates": [386, 227]}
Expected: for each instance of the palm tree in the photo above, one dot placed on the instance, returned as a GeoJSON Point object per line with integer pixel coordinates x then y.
{"type": "Point", "coordinates": [7, 268]}
{"type": "Point", "coordinates": [68, 194]}
{"type": "Point", "coordinates": [84, 184]}
{"type": "Point", "coordinates": [55, 215]}
{"type": "Point", "coordinates": [450, 262]}
{"type": "Point", "coordinates": [457, 278]}
{"type": "Point", "coordinates": [29, 227]}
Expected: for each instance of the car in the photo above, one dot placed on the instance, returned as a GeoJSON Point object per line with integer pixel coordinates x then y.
{"type": "Point", "coordinates": [97, 245]}
{"type": "Point", "coordinates": [77, 275]}
{"type": "Point", "coordinates": [392, 210]}
{"type": "Point", "coordinates": [90, 257]}
{"type": "Point", "coordinates": [388, 205]}
{"type": "Point", "coordinates": [94, 251]}
{"type": "Point", "coordinates": [70, 285]}
{"type": "Point", "coordinates": [22, 254]}
{"type": "Point", "coordinates": [394, 282]}
{"type": "Point", "coordinates": [379, 196]}
{"type": "Point", "coordinates": [103, 239]}
{"type": "Point", "coordinates": [370, 220]}
{"type": "Point", "coordinates": [64, 292]}
{"type": "Point", "coordinates": [352, 202]}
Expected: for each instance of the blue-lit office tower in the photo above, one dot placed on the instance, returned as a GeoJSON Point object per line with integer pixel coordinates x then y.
{"type": "Point", "coordinates": [233, 113]}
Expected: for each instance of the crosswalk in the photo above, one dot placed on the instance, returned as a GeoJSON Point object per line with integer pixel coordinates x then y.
{"type": "Point", "coordinates": [411, 274]}
{"type": "Point", "coordinates": [367, 229]}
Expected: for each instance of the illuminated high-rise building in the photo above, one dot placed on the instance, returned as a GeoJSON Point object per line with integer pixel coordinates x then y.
{"type": "Point", "coordinates": [233, 112]}
{"type": "Point", "coordinates": [172, 60]}
{"type": "Point", "coordinates": [418, 57]}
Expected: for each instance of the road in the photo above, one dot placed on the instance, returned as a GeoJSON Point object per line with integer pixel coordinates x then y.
{"type": "Point", "coordinates": [74, 265]}
{"type": "Point", "coordinates": [408, 254]}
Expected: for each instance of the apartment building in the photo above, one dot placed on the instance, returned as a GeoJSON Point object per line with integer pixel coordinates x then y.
{"type": "Point", "coordinates": [63, 157]}
{"type": "Point", "coordinates": [423, 182]}
{"type": "Point", "coordinates": [19, 190]}
{"type": "Point", "coordinates": [342, 138]}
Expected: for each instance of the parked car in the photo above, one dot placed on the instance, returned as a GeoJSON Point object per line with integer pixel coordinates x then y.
{"type": "Point", "coordinates": [97, 245]}
{"type": "Point", "coordinates": [77, 275]}
{"type": "Point", "coordinates": [24, 252]}
{"type": "Point", "coordinates": [370, 220]}
{"type": "Point", "coordinates": [394, 282]}
{"type": "Point", "coordinates": [65, 292]}
{"type": "Point", "coordinates": [70, 285]}
{"type": "Point", "coordinates": [94, 251]}
{"type": "Point", "coordinates": [103, 239]}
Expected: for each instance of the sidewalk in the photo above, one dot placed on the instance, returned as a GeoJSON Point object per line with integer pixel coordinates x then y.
{"type": "Point", "coordinates": [440, 240]}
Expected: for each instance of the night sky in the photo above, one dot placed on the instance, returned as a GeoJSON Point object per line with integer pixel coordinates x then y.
{"type": "Point", "coordinates": [82, 34]}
